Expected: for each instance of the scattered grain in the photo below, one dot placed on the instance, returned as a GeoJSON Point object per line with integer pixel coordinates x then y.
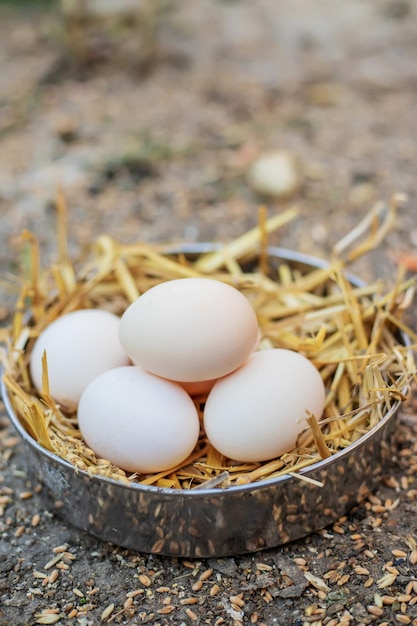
{"type": "Point", "coordinates": [47, 618]}
{"type": "Point", "coordinates": [61, 548]}
{"type": "Point", "coordinates": [19, 531]}
{"type": "Point", "coordinates": [53, 576]}
{"type": "Point", "coordinates": [128, 603]}
{"type": "Point", "coordinates": [145, 580]}
{"type": "Point", "coordinates": [214, 590]}
{"type": "Point", "coordinates": [193, 616]}
{"type": "Point", "coordinates": [237, 600]}
{"type": "Point", "coordinates": [93, 592]}
{"type": "Point", "coordinates": [405, 597]}
{"type": "Point", "coordinates": [375, 610]}
{"type": "Point", "coordinates": [413, 557]}
{"type": "Point", "coordinates": [107, 612]}
{"type": "Point", "coordinates": [388, 600]}
{"type": "Point", "coordinates": [206, 574]}
{"type": "Point", "coordinates": [26, 495]}
{"type": "Point", "coordinates": [378, 600]}
{"type": "Point", "coordinates": [263, 567]}
{"type": "Point", "coordinates": [197, 585]}
{"type": "Point", "coordinates": [190, 600]}
{"type": "Point", "coordinates": [53, 561]}
{"type": "Point", "coordinates": [134, 593]}
{"type": "Point", "coordinates": [166, 610]}
{"type": "Point", "coordinates": [399, 554]}
{"type": "Point", "coordinates": [386, 581]}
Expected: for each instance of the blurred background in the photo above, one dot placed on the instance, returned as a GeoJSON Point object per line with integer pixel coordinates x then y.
{"type": "Point", "coordinates": [169, 120]}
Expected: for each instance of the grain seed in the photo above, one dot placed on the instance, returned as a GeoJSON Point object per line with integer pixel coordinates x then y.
{"type": "Point", "coordinates": [19, 531]}
{"type": "Point", "coordinates": [214, 590]}
{"type": "Point", "coordinates": [47, 618]}
{"type": "Point", "coordinates": [413, 557]}
{"type": "Point", "coordinates": [375, 610]}
{"type": "Point", "coordinates": [388, 599]}
{"type": "Point", "coordinates": [53, 576]}
{"type": "Point", "coordinates": [386, 581]}
{"type": "Point", "coordinates": [61, 548]}
{"type": "Point", "coordinates": [343, 580]}
{"type": "Point", "coordinates": [263, 567]}
{"type": "Point", "coordinates": [78, 592]}
{"type": "Point", "coordinates": [316, 582]}
{"type": "Point", "coordinates": [107, 612]}
{"type": "Point", "coordinates": [189, 600]}
{"type": "Point", "coordinates": [166, 610]}
{"type": "Point", "coordinates": [145, 580]}
{"type": "Point", "coordinates": [206, 574]}
{"type": "Point", "coordinates": [134, 593]}
{"type": "Point", "coordinates": [25, 495]}
{"type": "Point", "coordinates": [197, 585]}
{"type": "Point", "coordinates": [399, 554]}
{"type": "Point", "coordinates": [93, 592]}
{"type": "Point", "coordinates": [193, 616]}
{"type": "Point", "coordinates": [53, 561]}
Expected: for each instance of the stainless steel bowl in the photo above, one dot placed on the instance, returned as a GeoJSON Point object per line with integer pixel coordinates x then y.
{"type": "Point", "coordinates": [212, 522]}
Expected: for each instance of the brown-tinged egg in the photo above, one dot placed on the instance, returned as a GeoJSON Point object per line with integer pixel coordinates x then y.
{"type": "Point", "coordinates": [189, 329]}
{"type": "Point", "coordinates": [256, 413]}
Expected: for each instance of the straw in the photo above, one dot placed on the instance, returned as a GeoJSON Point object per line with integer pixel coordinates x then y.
{"type": "Point", "coordinates": [353, 335]}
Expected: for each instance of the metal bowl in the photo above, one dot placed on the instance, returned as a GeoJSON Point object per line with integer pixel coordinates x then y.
{"type": "Point", "coordinates": [213, 522]}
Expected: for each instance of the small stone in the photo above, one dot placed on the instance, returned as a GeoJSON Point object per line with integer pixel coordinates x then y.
{"type": "Point", "coordinates": [275, 174]}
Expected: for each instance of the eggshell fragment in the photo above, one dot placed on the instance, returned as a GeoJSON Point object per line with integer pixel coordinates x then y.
{"type": "Point", "coordinates": [257, 412]}
{"type": "Point", "coordinates": [189, 329]}
{"type": "Point", "coordinates": [138, 421]}
{"type": "Point", "coordinates": [79, 346]}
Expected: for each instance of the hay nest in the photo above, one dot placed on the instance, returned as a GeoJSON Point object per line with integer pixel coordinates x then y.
{"type": "Point", "coordinates": [354, 334]}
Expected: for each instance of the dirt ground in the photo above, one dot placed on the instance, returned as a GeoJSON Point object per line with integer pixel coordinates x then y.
{"type": "Point", "coordinates": [162, 153]}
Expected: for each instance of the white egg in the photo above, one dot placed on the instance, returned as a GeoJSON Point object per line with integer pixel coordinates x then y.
{"type": "Point", "coordinates": [138, 421]}
{"type": "Point", "coordinates": [189, 329]}
{"type": "Point", "coordinates": [257, 412]}
{"type": "Point", "coordinates": [79, 346]}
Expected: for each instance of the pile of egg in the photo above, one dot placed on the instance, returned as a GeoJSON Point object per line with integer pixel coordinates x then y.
{"type": "Point", "coordinates": [133, 378]}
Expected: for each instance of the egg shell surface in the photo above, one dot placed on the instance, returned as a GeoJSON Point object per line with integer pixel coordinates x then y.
{"type": "Point", "coordinates": [79, 346]}
{"type": "Point", "coordinates": [138, 421]}
{"type": "Point", "coordinates": [189, 329]}
{"type": "Point", "coordinates": [256, 413]}
{"type": "Point", "coordinates": [198, 388]}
